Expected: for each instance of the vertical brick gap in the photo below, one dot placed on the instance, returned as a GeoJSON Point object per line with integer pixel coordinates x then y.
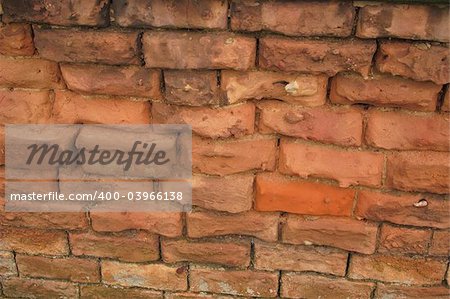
{"type": "Point", "coordinates": [378, 239]}
{"type": "Point", "coordinates": [15, 264]}
{"type": "Point", "coordinates": [257, 53]}
{"type": "Point", "coordinates": [430, 241]}
{"type": "Point", "coordinates": [355, 202]}
{"type": "Point", "coordinates": [347, 266]}
{"type": "Point", "coordinates": [160, 249]}
{"type": "Point", "coordinates": [252, 254]}
{"type": "Point", "coordinates": [68, 243]}
{"type": "Point", "coordinates": [280, 273]}
{"type": "Point", "coordinates": [228, 14]}
{"type": "Point", "coordinates": [139, 48]}
{"type": "Point", "coordinates": [162, 84]}
{"type": "Point", "coordinates": [441, 97]}
{"type": "Point", "coordinates": [374, 291]}
{"type": "Point", "coordinates": [355, 21]}
{"type": "Point", "coordinates": [444, 280]}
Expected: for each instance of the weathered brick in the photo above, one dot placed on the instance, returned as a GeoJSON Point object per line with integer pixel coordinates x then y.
{"type": "Point", "coordinates": [231, 194]}
{"type": "Point", "coordinates": [112, 80]}
{"type": "Point", "coordinates": [398, 291]}
{"type": "Point", "coordinates": [16, 40]}
{"type": "Point", "coordinates": [440, 243]}
{"type": "Point", "coordinates": [407, 21]}
{"type": "Point", "coordinates": [191, 295]}
{"type": "Point", "coordinates": [107, 292]}
{"type": "Point", "coordinates": [45, 220]}
{"type": "Point", "coordinates": [419, 61]}
{"type": "Point", "coordinates": [348, 167]}
{"type": "Point", "coordinates": [260, 225]}
{"type": "Point", "coordinates": [71, 268]}
{"type": "Point", "coordinates": [273, 256]}
{"type": "Point", "coordinates": [403, 240]}
{"type": "Point", "coordinates": [406, 131]}
{"type": "Point", "coordinates": [222, 253]}
{"type": "Point", "coordinates": [195, 50]}
{"type": "Point", "coordinates": [418, 171]}
{"type": "Point", "coordinates": [234, 282]}
{"type": "Point", "coordinates": [70, 107]}
{"type": "Point", "coordinates": [7, 264]}
{"type": "Point", "coordinates": [155, 276]}
{"type": "Point", "coordinates": [316, 56]}
{"type": "Point", "coordinates": [38, 288]}
{"type": "Point", "coordinates": [446, 104]}
{"type": "Point", "coordinates": [298, 285]}
{"type": "Point", "coordinates": [233, 156]}
{"type": "Point", "coordinates": [278, 193]}
{"type": "Point", "coordinates": [71, 45]}
{"type": "Point", "coordinates": [2, 147]}
{"type": "Point", "coordinates": [400, 209]}
{"type": "Point", "coordinates": [306, 90]}
{"type": "Point", "coordinates": [384, 90]}
{"type": "Point", "coordinates": [294, 18]}
{"type": "Point", "coordinates": [223, 122]}
{"type": "Point", "coordinates": [345, 233]}
{"type": "Point", "coordinates": [399, 269]}
{"type": "Point", "coordinates": [21, 107]}
{"type": "Point", "coordinates": [132, 247]}
{"type": "Point", "coordinates": [337, 125]}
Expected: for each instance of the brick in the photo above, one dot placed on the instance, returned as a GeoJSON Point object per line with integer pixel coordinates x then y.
{"type": "Point", "coordinates": [259, 225]}
{"type": "Point", "coordinates": [278, 193]}
{"type": "Point", "coordinates": [2, 146]}
{"type": "Point", "coordinates": [347, 167]}
{"type": "Point", "coordinates": [197, 50]}
{"type": "Point", "coordinates": [34, 241]}
{"type": "Point", "coordinates": [418, 171]}
{"type": "Point", "coordinates": [407, 21]}
{"type": "Point", "coordinates": [384, 90]}
{"type": "Point", "coordinates": [233, 194]}
{"type": "Point", "coordinates": [440, 243]}
{"type": "Point", "coordinates": [70, 221]}
{"type": "Point", "coordinates": [336, 125]}
{"type": "Point", "coordinates": [405, 131]}
{"type": "Point", "coordinates": [107, 292]}
{"type": "Point", "coordinates": [233, 156]}
{"type": "Point", "coordinates": [446, 104]}
{"type": "Point", "coordinates": [403, 240]}
{"type": "Point", "coordinates": [7, 264]}
{"type": "Point", "coordinates": [70, 107]}
{"type": "Point", "coordinates": [192, 88]}
{"type": "Point", "coordinates": [69, 45]}
{"type": "Point", "coordinates": [400, 209]}
{"type": "Point", "coordinates": [191, 295]}
{"type": "Point", "coordinates": [400, 269]}
{"type": "Point", "coordinates": [222, 122]}
{"type": "Point", "coordinates": [316, 56]}
{"type": "Point", "coordinates": [16, 40]}
{"type": "Point", "coordinates": [155, 276]}
{"type": "Point", "coordinates": [166, 224]}
{"type": "Point", "coordinates": [112, 80]}
{"type": "Point", "coordinates": [21, 107]}
{"type": "Point", "coordinates": [38, 288]}
{"type": "Point", "coordinates": [345, 233]}
{"type": "Point", "coordinates": [398, 291]}
{"type": "Point", "coordinates": [294, 18]}
{"type": "Point", "coordinates": [298, 285]}
{"type": "Point", "coordinates": [234, 282]}
{"type": "Point", "coordinates": [418, 61]}
{"type": "Point", "coordinates": [306, 90]}
{"type": "Point", "coordinates": [73, 269]}
{"type": "Point", "coordinates": [275, 256]}
{"type": "Point", "coordinates": [130, 247]}
{"type": "Point", "coordinates": [222, 253]}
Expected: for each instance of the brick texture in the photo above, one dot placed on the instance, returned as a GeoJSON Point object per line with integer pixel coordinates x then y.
{"type": "Point", "coordinates": [16, 40]}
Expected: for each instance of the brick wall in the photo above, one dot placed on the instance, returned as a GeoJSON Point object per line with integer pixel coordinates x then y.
{"type": "Point", "coordinates": [320, 154]}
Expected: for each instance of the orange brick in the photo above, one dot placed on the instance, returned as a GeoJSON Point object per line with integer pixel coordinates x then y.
{"type": "Point", "coordinates": [38, 288]}
{"type": "Point", "coordinates": [7, 264]}
{"type": "Point", "coordinates": [21, 107]}
{"type": "Point", "coordinates": [440, 243]}
{"type": "Point", "coordinates": [105, 292]}
{"type": "Point", "coordinates": [403, 240]}
{"type": "Point", "coordinates": [413, 292]}
{"type": "Point", "coordinates": [16, 40]}
{"type": "Point", "coordinates": [44, 220]}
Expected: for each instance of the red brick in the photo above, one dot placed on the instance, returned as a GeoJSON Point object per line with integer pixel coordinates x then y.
{"type": "Point", "coordinates": [70, 108]}
{"type": "Point", "coordinates": [407, 21]}
{"type": "Point", "coordinates": [21, 107]}
{"type": "Point", "coordinates": [107, 292]}
{"type": "Point", "coordinates": [403, 240]}
{"type": "Point", "coordinates": [196, 50]}
{"type": "Point", "coordinates": [405, 131]}
{"type": "Point", "coordinates": [440, 243]}
{"type": "Point", "coordinates": [191, 295]}
{"type": "Point", "coordinates": [73, 269]}
{"type": "Point", "coordinates": [38, 288]}
{"type": "Point", "coordinates": [400, 269]}
{"type": "Point", "coordinates": [294, 18]}
{"type": "Point", "coordinates": [298, 285]}
{"type": "Point", "coordinates": [300, 89]}
{"type": "Point", "coordinates": [211, 14]}
{"type": "Point", "coordinates": [419, 61]}
{"type": "Point", "coordinates": [234, 282]}
{"type": "Point", "coordinates": [233, 156]}
{"type": "Point", "coordinates": [71, 45]}
{"type": "Point", "coordinates": [16, 40]}
{"type": "Point", "coordinates": [345, 233]}
{"type": "Point", "coordinates": [7, 264]}
{"type": "Point", "coordinates": [337, 125]}
{"type": "Point", "coordinates": [260, 225]}
{"type": "Point", "coordinates": [166, 224]}
{"type": "Point", "coordinates": [384, 90]}
{"type": "Point", "coordinates": [419, 171]}
{"type": "Point", "coordinates": [279, 193]}
{"type": "Point", "coordinates": [397, 291]}
{"type": "Point", "coordinates": [347, 167]}
{"type": "Point", "coordinates": [45, 220]}
{"type": "Point", "coordinates": [222, 253]}
{"type": "Point", "coordinates": [231, 194]}
{"type": "Point", "coordinates": [2, 146]}
{"type": "Point", "coordinates": [155, 276]}
{"type": "Point", "coordinates": [316, 56]}
{"type": "Point", "coordinates": [132, 247]}
{"type": "Point", "coordinates": [400, 209]}
{"type": "Point", "coordinates": [112, 80]}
